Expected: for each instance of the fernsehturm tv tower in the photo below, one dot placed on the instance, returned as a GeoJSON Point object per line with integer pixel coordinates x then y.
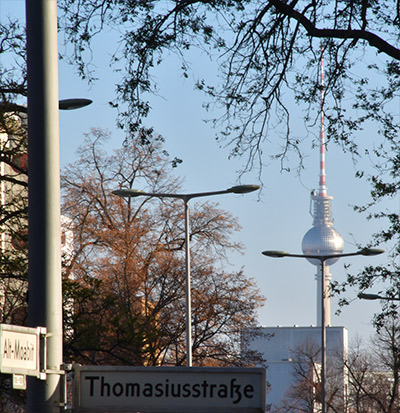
{"type": "Point", "coordinates": [322, 238]}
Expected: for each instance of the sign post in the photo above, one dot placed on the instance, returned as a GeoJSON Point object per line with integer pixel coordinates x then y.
{"type": "Point", "coordinates": [168, 389]}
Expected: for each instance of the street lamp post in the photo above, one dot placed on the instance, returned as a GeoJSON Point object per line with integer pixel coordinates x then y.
{"type": "Point", "coordinates": [322, 259]}
{"type": "Point", "coordinates": [44, 254]}
{"type": "Point", "coordinates": [240, 189]}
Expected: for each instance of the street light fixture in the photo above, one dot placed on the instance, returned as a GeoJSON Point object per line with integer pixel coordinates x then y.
{"type": "Point", "coordinates": [63, 104]}
{"type": "Point", "coordinates": [365, 296]}
{"type": "Point", "coordinates": [322, 259]}
{"type": "Point", "coordinates": [240, 189]}
{"type": "Point", "coordinates": [75, 103]}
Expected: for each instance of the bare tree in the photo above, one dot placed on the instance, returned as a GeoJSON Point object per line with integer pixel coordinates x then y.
{"type": "Point", "coordinates": [374, 372]}
{"type": "Point", "coordinates": [268, 53]}
{"type": "Point", "coordinates": [364, 381]}
{"type": "Point", "coordinates": [127, 275]}
{"type": "Point", "coordinates": [304, 393]}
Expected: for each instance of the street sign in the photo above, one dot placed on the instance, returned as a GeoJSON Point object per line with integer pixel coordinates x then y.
{"type": "Point", "coordinates": [168, 389]}
{"type": "Point", "coordinates": [19, 381]}
{"type": "Point", "coordinates": [20, 350]}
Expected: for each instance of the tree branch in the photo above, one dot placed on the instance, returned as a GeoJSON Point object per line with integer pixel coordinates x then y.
{"type": "Point", "coordinates": [371, 38]}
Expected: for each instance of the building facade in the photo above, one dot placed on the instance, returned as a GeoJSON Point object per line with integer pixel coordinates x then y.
{"type": "Point", "coordinates": [293, 361]}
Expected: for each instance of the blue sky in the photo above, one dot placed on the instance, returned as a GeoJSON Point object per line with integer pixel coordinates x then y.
{"type": "Point", "coordinates": [277, 218]}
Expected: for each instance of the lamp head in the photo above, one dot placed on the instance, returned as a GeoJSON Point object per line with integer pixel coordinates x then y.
{"type": "Point", "coordinates": [243, 189]}
{"type": "Point", "coordinates": [275, 254]}
{"type": "Point", "coordinates": [70, 104]}
{"type": "Point", "coordinates": [128, 192]}
{"type": "Point", "coordinates": [365, 296]}
{"type": "Point", "coordinates": [371, 251]}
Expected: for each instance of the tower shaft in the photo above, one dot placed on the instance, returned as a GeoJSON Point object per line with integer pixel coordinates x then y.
{"type": "Point", "coordinates": [327, 302]}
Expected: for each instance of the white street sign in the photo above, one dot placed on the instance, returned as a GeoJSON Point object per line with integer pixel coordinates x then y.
{"type": "Point", "coordinates": [19, 381]}
{"type": "Point", "coordinates": [20, 349]}
{"type": "Point", "coordinates": [168, 389]}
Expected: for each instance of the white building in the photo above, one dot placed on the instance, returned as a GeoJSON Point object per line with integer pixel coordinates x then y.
{"type": "Point", "coordinates": [291, 352]}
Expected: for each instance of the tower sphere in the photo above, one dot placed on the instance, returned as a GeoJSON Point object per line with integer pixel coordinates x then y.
{"type": "Point", "coordinates": [322, 240]}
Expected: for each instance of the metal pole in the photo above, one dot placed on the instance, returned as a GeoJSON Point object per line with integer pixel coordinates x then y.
{"type": "Point", "coordinates": [188, 288]}
{"type": "Point", "coordinates": [241, 189]}
{"type": "Point", "coordinates": [323, 337]}
{"type": "Point", "coordinates": [324, 293]}
{"type": "Point", "coordinates": [44, 256]}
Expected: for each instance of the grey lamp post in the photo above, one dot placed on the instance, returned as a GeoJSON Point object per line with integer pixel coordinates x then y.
{"type": "Point", "coordinates": [241, 189]}
{"type": "Point", "coordinates": [44, 250]}
{"type": "Point", "coordinates": [44, 256]}
{"type": "Point", "coordinates": [322, 259]}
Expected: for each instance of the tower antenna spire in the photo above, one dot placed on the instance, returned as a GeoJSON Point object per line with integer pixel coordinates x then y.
{"type": "Point", "coordinates": [322, 176]}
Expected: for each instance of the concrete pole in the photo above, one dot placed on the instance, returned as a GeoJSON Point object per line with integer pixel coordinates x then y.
{"type": "Point", "coordinates": [188, 287]}
{"type": "Point", "coordinates": [327, 301]}
{"type": "Point", "coordinates": [323, 337]}
{"type": "Point", "coordinates": [44, 274]}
